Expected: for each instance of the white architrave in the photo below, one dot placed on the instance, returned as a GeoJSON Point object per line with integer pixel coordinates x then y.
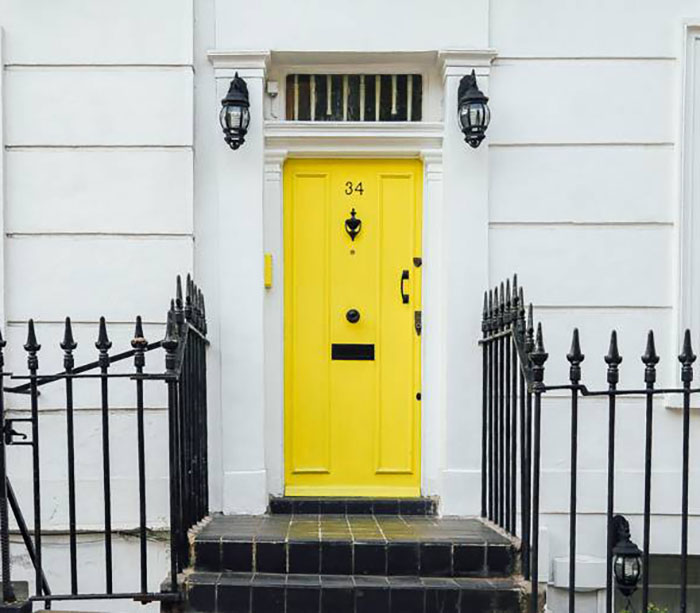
{"type": "Point", "coordinates": [465, 274]}
{"type": "Point", "coordinates": [354, 141]}
{"type": "Point", "coordinates": [241, 342]}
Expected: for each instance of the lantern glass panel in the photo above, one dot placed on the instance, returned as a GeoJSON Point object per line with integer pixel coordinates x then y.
{"type": "Point", "coordinates": [627, 569]}
{"type": "Point", "coordinates": [474, 115]}
{"type": "Point", "coordinates": [234, 117]}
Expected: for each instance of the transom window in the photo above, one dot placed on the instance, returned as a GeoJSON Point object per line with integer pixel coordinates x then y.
{"type": "Point", "coordinates": [354, 97]}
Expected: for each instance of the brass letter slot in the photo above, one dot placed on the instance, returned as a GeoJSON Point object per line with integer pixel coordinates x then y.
{"type": "Point", "coordinates": [352, 351]}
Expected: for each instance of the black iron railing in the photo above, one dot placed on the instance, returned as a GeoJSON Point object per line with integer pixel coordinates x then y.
{"type": "Point", "coordinates": [184, 346]}
{"type": "Point", "coordinates": [513, 386]}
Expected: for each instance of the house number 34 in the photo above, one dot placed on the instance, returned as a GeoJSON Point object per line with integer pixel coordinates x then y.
{"type": "Point", "coordinates": [351, 187]}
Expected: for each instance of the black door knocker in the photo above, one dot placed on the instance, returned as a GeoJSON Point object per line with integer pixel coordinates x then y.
{"type": "Point", "coordinates": [353, 225]}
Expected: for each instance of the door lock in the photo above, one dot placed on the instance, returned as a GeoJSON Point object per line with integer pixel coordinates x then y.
{"type": "Point", "coordinates": [404, 295]}
{"type": "Point", "coordinates": [353, 316]}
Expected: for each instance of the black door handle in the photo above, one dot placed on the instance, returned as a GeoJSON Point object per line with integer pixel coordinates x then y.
{"type": "Point", "coordinates": [353, 316]}
{"type": "Point", "coordinates": [404, 278]}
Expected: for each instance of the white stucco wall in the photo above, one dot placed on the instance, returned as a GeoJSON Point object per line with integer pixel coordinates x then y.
{"type": "Point", "coordinates": [98, 218]}
{"type": "Point", "coordinates": [116, 177]}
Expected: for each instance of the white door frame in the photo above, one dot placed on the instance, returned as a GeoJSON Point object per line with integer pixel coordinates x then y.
{"type": "Point", "coordinates": [284, 140]}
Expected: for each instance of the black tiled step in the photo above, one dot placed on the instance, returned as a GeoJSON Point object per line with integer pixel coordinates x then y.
{"type": "Point", "coordinates": [294, 505]}
{"type": "Point", "coordinates": [259, 593]}
{"type": "Point", "coordinates": [354, 545]}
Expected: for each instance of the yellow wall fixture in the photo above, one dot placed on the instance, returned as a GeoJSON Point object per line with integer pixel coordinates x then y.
{"type": "Point", "coordinates": [268, 270]}
{"type": "Point", "coordinates": [352, 348]}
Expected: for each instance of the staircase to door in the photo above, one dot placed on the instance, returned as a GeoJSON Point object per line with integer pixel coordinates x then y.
{"type": "Point", "coordinates": [333, 555]}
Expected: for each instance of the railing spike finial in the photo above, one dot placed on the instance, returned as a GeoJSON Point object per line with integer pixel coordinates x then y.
{"type": "Point", "coordinates": [538, 356]}
{"type": "Point", "coordinates": [139, 344]}
{"type": "Point", "coordinates": [686, 358]}
{"type": "Point", "coordinates": [508, 314]}
{"type": "Point", "coordinates": [575, 357]}
{"type": "Point", "coordinates": [529, 330]}
{"type": "Point", "coordinates": [3, 344]}
{"type": "Point", "coordinates": [31, 346]}
{"type": "Point", "coordinates": [103, 343]}
{"type": "Point", "coordinates": [520, 314]}
{"type": "Point", "coordinates": [613, 359]}
{"type": "Point", "coordinates": [196, 312]}
{"type": "Point", "coordinates": [139, 341]}
{"type": "Point", "coordinates": [68, 343]}
{"type": "Point", "coordinates": [188, 297]}
{"type": "Point", "coordinates": [485, 315]}
{"type": "Point", "coordinates": [204, 315]}
{"type": "Point", "coordinates": [178, 292]}
{"type": "Point", "coordinates": [650, 359]}
{"type": "Point", "coordinates": [170, 342]}
{"type": "Point", "coordinates": [495, 321]}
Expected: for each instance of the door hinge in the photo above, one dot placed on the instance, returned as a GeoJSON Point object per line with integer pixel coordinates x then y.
{"type": "Point", "coordinates": [418, 262]}
{"type": "Point", "coordinates": [418, 321]}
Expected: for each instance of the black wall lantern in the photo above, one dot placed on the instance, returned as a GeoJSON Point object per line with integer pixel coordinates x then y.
{"type": "Point", "coordinates": [627, 558]}
{"type": "Point", "coordinates": [473, 110]}
{"type": "Point", "coordinates": [235, 113]}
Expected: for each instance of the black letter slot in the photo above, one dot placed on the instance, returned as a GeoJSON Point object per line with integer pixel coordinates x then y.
{"type": "Point", "coordinates": [352, 351]}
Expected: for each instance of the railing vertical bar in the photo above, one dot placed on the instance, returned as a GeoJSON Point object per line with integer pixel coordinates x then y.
{"type": "Point", "coordinates": [68, 345]}
{"type": "Point", "coordinates": [484, 404]}
{"type": "Point", "coordinates": [575, 357]}
{"type": "Point", "coordinates": [514, 439]}
{"type": "Point", "coordinates": [103, 345]}
{"type": "Point", "coordinates": [538, 357]}
{"type": "Point", "coordinates": [501, 413]}
{"type": "Point", "coordinates": [8, 593]}
{"type": "Point", "coordinates": [205, 424]}
{"type": "Point", "coordinates": [170, 344]}
{"type": "Point", "coordinates": [529, 346]}
{"type": "Point", "coordinates": [139, 344]}
{"type": "Point", "coordinates": [507, 428]}
{"type": "Point", "coordinates": [518, 337]}
{"type": "Point", "coordinates": [650, 360]}
{"type": "Point", "coordinates": [686, 358]}
{"type": "Point", "coordinates": [524, 487]}
{"type": "Point", "coordinates": [491, 399]}
{"type": "Point", "coordinates": [32, 347]}
{"type": "Point", "coordinates": [496, 416]}
{"type": "Point", "coordinates": [613, 360]}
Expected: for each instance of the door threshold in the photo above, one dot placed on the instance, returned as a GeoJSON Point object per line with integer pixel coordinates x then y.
{"type": "Point", "coordinates": [358, 505]}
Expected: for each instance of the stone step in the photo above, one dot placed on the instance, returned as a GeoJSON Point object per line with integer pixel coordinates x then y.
{"type": "Point", "coordinates": [297, 505]}
{"type": "Point", "coordinates": [354, 545]}
{"type": "Point", "coordinates": [262, 593]}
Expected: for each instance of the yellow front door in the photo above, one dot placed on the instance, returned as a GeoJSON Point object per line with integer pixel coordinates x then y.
{"type": "Point", "coordinates": [352, 327]}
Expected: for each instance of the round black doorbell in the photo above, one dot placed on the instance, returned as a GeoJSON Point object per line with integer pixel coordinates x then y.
{"type": "Point", "coordinates": [353, 316]}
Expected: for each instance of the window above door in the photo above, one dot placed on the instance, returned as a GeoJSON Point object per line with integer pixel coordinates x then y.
{"type": "Point", "coordinates": [354, 97]}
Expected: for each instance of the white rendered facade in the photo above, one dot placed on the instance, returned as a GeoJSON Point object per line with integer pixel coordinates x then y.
{"type": "Point", "coordinates": [115, 177]}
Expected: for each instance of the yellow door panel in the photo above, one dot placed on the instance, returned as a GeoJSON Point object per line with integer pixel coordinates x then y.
{"type": "Point", "coordinates": [352, 354]}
